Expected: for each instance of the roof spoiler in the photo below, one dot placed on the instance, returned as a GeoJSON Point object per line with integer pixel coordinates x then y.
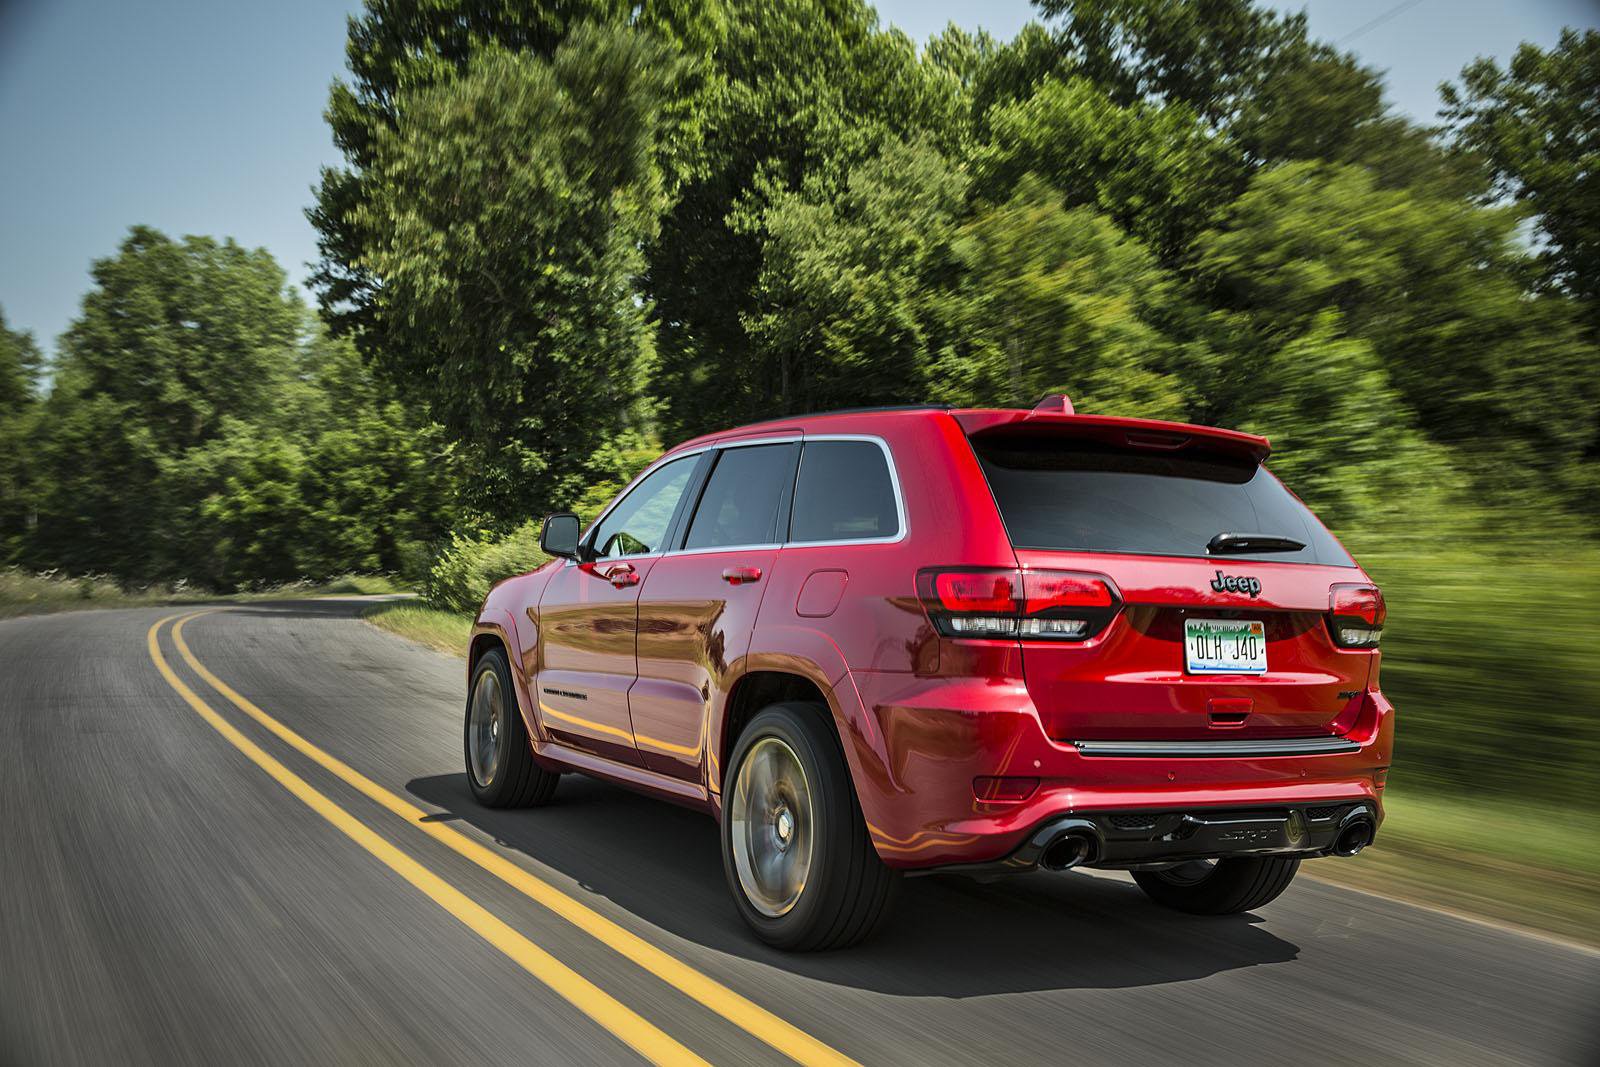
{"type": "Point", "coordinates": [1055, 414]}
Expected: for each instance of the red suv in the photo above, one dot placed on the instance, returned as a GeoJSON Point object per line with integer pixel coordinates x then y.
{"type": "Point", "coordinates": [921, 639]}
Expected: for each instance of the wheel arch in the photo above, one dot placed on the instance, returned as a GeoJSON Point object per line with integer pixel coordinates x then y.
{"type": "Point", "coordinates": [793, 663]}
{"type": "Point", "coordinates": [756, 689]}
{"type": "Point", "coordinates": [491, 632]}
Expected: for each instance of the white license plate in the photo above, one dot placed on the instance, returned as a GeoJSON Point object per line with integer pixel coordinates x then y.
{"type": "Point", "coordinates": [1225, 646]}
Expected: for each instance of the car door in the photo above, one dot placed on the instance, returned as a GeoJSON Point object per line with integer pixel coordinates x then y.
{"type": "Point", "coordinates": [699, 604]}
{"type": "Point", "coordinates": [588, 617]}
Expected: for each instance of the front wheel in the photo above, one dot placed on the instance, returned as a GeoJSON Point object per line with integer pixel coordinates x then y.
{"type": "Point", "coordinates": [500, 765]}
{"type": "Point", "coordinates": [1220, 887]}
{"type": "Point", "coordinates": [795, 849]}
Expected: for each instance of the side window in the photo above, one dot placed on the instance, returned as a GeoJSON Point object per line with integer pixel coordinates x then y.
{"type": "Point", "coordinates": [843, 493]}
{"type": "Point", "coordinates": [639, 523]}
{"type": "Point", "coordinates": [740, 503]}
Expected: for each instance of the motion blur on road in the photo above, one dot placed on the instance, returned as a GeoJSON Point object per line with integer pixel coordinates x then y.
{"type": "Point", "coordinates": [167, 898]}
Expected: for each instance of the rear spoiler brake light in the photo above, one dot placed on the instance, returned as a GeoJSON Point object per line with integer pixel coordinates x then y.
{"type": "Point", "coordinates": [1058, 418]}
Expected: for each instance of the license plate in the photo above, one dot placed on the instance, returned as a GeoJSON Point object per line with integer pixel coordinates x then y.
{"type": "Point", "coordinates": [1225, 646]}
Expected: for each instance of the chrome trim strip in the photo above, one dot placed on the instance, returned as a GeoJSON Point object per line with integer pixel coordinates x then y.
{"type": "Point", "coordinates": [1293, 746]}
{"type": "Point", "coordinates": [721, 548]}
{"type": "Point", "coordinates": [894, 482]}
{"type": "Point", "coordinates": [747, 442]}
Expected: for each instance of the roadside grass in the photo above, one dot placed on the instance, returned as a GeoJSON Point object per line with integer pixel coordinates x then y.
{"type": "Point", "coordinates": [1529, 864]}
{"type": "Point", "coordinates": [443, 631]}
{"type": "Point", "coordinates": [1489, 655]}
{"type": "Point", "coordinates": [29, 593]}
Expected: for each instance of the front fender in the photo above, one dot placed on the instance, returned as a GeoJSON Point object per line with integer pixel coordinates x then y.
{"type": "Point", "coordinates": [502, 626]}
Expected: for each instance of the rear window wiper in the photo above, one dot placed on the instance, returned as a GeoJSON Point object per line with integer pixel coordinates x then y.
{"type": "Point", "coordinates": [1227, 543]}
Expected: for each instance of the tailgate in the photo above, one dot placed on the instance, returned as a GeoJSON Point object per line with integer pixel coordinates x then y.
{"type": "Point", "coordinates": [1133, 682]}
{"type": "Point", "coordinates": [1194, 535]}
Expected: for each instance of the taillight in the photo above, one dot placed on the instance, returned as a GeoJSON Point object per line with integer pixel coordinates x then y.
{"type": "Point", "coordinates": [1355, 615]}
{"type": "Point", "coordinates": [1005, 603]}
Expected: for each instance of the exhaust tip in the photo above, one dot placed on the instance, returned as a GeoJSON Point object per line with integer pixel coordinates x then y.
{"type": "Point", "coordinates": [1353, 837]}
{"type": "Point", "coordinates": [1067, 851]}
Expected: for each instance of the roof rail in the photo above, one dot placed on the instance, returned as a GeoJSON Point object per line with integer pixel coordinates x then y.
{"type": "Point", "coordinates": [871, 408]}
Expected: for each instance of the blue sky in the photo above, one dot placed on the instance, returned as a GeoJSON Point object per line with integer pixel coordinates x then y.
{"type": "Point", "coordinates": [205, 116]}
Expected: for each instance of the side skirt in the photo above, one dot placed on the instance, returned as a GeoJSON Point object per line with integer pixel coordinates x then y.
{"type": "Point", "coordinates": [651, 783]}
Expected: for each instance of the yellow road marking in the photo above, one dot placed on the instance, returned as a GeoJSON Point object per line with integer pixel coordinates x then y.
{"type": "Point", "coordinates": [742, 1012]}
{"type": "Point", "coordinates": [650, 1042]}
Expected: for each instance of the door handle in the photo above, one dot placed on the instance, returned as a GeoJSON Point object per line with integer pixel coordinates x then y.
{"type": "Point", "coordinates": [622, 576]}
{"type": "Point", "coordinates": [741, 575]}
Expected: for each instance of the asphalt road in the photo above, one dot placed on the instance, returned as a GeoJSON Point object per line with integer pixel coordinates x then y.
{"type": "Point", "coordinates": [165, 898]}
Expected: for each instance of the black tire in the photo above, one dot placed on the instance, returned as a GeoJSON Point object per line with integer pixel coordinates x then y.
{"type": "Point", "coordinates": [509, 778]}
{"type": "Point", "coordinates": [1231, 886]}
{"type": "Point", "coordinates": [846, 890]}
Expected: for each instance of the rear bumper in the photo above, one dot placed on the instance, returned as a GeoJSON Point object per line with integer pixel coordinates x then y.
{"type": "Point", "coordinates": [917, 745]}
{"type": "Point", "coordinates": [1134, 840]}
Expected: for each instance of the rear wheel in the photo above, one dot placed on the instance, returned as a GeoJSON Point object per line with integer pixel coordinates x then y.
{"type": "Point", "coordinates": [795, 849]}
{"type": "Point", "coordinates": [500, 765]}
{"type": "Point", "coordinates": [1220, 887]}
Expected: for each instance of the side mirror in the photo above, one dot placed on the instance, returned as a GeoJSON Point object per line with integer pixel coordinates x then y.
{"type": "Point", "coordinates": [559, 537]}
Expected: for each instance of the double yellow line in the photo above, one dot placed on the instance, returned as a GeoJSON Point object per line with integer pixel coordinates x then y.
{"type": "Point", "coordinates": [634, 1030]}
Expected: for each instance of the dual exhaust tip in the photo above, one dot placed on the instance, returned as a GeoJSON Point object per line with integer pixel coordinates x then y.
{"type": "Point", "coordinates": [1069, 850]}
{"type": "Point", "coordinates": [1356, 834]}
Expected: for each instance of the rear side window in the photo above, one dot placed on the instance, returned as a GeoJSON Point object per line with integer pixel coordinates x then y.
{"type": "Point", "coordinates": [1078, 496]}
{"type": "Point", "coordinates": [843, 493]}
{"type": "Point", "coordinates": [740, 502]}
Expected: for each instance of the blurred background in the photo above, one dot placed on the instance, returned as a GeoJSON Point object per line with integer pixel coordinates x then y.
{"type": "Point", "coordinates": [518, 248]}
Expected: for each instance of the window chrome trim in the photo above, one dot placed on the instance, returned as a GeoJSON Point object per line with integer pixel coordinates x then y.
{"type": "Point", "coordinates": [750, 442]}
{"type": "Point", "coordinates": [894, 483]}
{"type": "Point", "coordinates": [723, 548]}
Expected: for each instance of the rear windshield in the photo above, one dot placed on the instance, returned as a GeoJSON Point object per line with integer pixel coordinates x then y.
{"type": "Point", "coordinates": [1078, 496]}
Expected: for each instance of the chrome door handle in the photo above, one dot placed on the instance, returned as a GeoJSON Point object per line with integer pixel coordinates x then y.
{"type": "Point", "coordinates": [741, 575]}
{"type": "Point", "coordinates": [622, 576]}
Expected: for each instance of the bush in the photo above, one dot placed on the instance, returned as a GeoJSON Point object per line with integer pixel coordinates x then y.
{"type": "Point", "coordinates": [460, 578]}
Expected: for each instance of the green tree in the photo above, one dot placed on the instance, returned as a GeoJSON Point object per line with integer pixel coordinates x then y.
{"type": "Point", "coordinates": [1429, 283]}
{"type": "Point", "coordinates": [400, 48]}
{"type": "Point", "coordinates": [174, 338]}
{"type": "Point", "coordinates": [1322, 104]}
{"type": "Point", "coordinates": [200, 426]}
{"type": "Point", "coordinates": [1060, 300]}
{"type": "Point", "coordinates": [1343, 437]}
{"type": "Point", "coordinates": [853, 299]}
{"type": "Point", "coordinates": [355, 482]}
{"type": "Point", "coordinates": [20, 369]}
{"type": "Point", "coordinates": [894, 291]}
{"type": "Point", "coordinates": [504, 219]}
{"type": "Point", "coordinates": [1212, 55]}
{"type": "Point", "coordinates": [181, 333]}
{"type": "Point", "coordinates": [802, 91]}
{"type": "Point", "coordinates": [1535, 126]}
{"type": "Point", "coordinates": [1156, 169]}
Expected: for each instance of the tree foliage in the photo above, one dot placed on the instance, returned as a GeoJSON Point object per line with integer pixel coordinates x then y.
{"type": "Point", "coordinates": [199, 427]}
{"type": "Point", "coordinates": [20, 368]}
{"type": "Point", "coordinates": [505, 218]}
{"type": "Point", "coordinates": [1535, 125]}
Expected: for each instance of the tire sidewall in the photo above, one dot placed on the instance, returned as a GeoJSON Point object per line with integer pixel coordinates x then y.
{"type": "Point", "coordinates": [796, 726]}
{"type": "Point", "coordinates": [492, 660]}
